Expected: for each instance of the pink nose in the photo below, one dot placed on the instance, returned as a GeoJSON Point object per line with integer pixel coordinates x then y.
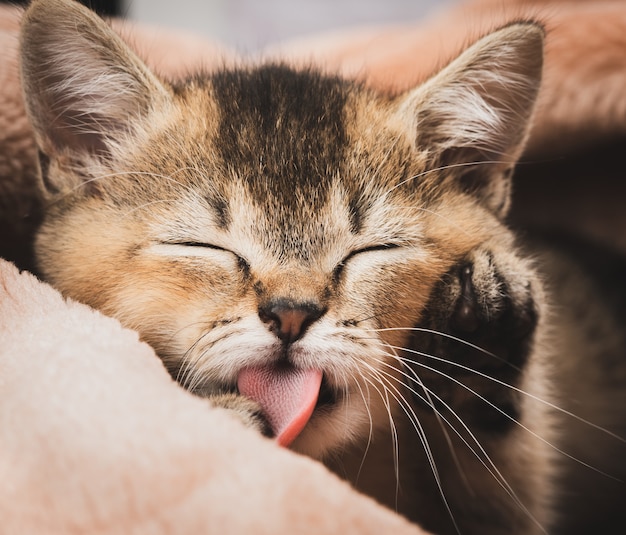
{"type": "Point", "coordinates": [289, 320]}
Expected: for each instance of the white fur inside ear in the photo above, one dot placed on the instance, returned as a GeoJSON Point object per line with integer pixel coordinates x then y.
{"type": "Point", "coordinates": [81, 82]}
{"type": "Point", "coordinates": [466, 118]}
{"type": "Point", "coordinates": [484, 99]}
{"type": "Point", "coordinates": [91, 87]}
{"type": "Point", "coordinates": [474, 116]}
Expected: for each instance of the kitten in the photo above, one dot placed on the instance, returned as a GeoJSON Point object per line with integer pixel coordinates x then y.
{"type": "Point", "coordinates": [334, 267]}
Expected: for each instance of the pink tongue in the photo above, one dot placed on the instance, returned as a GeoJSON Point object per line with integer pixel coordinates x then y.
{"type": "Point", "coordinates": [286, 395]}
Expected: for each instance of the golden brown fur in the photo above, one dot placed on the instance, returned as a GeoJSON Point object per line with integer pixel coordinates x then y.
{"type": "Point", "coordinates": [188, 210]}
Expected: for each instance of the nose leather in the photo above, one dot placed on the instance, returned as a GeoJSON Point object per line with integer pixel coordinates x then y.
{"type": "Point", "coordinates": [291, 322]}
{"type": "Point", "coordinates": [288, 320]}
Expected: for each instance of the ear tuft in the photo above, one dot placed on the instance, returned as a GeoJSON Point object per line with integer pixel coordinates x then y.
{"type": "Point", "coordinates": [475, 114]}
{"type": "Point", "coordinates": [82, 84]}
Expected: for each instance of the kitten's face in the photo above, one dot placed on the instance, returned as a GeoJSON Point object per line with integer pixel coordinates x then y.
{"type": "Point", "coordinates": [193, 250]}
{"type": "Point", "coordinates": [264, 217]}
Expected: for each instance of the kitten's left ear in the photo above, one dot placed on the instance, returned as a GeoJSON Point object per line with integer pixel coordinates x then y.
{"type": "Point", "coordinates": [83, 86]}
{"type": "Point", "coordinates": [474, 115]}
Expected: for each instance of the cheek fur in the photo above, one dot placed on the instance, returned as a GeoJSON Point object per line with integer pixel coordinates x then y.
{"type": "Point", "coordinates": [178, 294]}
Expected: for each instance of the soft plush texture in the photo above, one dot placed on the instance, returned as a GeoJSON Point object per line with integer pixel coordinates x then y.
{"type": "Point", "coordinates": [95, 436]}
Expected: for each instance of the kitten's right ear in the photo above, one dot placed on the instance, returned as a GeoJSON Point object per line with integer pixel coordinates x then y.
{"type": "Point", "coordinates": [473, 117]}
{"type": "Point", "coordinates": [82, 84]}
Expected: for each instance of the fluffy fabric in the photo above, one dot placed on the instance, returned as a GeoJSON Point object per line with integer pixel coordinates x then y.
{"type": "Point", "coordinates": [96, 438]}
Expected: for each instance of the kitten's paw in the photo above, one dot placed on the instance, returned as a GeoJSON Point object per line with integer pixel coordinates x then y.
{"type": "Point", "coordinates": [249, 412]}
{"type": "Point", "coordinates": [492, 308]}
{"type": "Point", "coordinates": [478, 334]}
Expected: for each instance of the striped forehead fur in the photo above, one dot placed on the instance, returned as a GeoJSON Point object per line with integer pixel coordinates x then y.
{"type": "Point", "coordinates": [283, 130]}
{"type": "Point", "coordinates": [298, 140]}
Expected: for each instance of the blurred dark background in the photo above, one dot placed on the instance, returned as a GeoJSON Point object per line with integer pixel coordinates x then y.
{"type": "Point", "coordinates": [104, 7]}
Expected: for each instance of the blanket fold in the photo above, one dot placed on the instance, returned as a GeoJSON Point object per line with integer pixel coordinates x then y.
{"type": "Point", "coordinates": [97, 438]}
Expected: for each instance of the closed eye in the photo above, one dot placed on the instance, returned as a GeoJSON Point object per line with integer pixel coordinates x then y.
{"type": "Point", "coordinates": [242, 262]}
{"type": "Point", "coordinates": [197, 244]}
{"type": "Point", "coordinates": [339, 267]}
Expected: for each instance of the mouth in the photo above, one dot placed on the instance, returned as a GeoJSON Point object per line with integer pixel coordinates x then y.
{"type": "Point", "coordinates": [288, 396]}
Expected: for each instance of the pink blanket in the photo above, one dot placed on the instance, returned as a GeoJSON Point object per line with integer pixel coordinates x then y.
{"type": "Point", "coordinates": [96, 438]}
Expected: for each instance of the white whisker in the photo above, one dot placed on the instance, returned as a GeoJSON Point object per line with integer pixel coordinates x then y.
{"type": "Point", "coordinates": [429, 402]}
{"type": "Point", "coordinates": [444, 335]}
{"type": "Point", "coordinates": [512, 387]}
{"type": "Point", "coordinates": [370, 436]}
{"type": "Point", "coordinates": [509, 417]}
{"type": "Point", "coordinates": [168, 178]}
{"type": "Point", "coordinates": [413, 418]}
{"type": "Point", "coordinates": [487, 462]}
{"type": "Point", "coordinates": [444, 168]}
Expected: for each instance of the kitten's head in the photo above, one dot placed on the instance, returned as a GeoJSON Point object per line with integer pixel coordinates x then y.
{"type": "Point", "coordinates": [264, 217]}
